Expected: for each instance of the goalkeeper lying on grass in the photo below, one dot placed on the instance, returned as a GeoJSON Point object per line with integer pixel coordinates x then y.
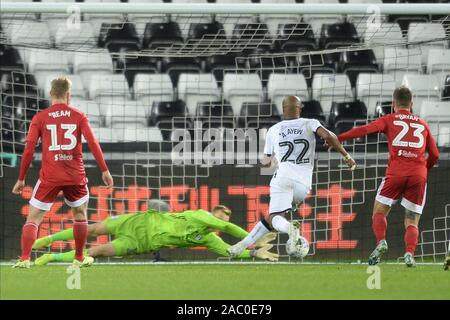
{"type": "Point", "coordinates": [150, 231]}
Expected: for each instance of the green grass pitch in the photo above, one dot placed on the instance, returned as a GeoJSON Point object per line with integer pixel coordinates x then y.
{"type": "Point", "coordinates": [226, 281]}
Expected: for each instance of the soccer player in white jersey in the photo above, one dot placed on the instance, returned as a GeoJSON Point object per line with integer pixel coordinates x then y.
{"type": "Point", "coordinates": [292, 142]}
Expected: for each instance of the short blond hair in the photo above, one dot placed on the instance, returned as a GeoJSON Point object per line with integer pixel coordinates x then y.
{"type": "Point", "coordinates": [60, 86]}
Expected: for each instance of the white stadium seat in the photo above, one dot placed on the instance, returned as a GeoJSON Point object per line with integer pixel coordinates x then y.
{"type": "Point", "coordinates": [90, 108]}
{"type": "Point", "coordinates": [437, 114]}
{"type": "Point", "coordinates": [281, 85]}
{"type": "Point", "coordinates": [424, 87]}
{"type": "Point", "coordinates": [104, 135]}
{"type": "Point", "coordinates": [242, 87]}
{"type": "Point", "coordinates": [29, 33]}
{"type": "Point", "coordinates": [439, 62]}
{"type": "Point", "coordinates": [75, 37]}
{"type": "Point", "coordinates": [129, 114]}
{"type": "Point", "coordinates": [385, 33]}
{"type": "Point", "coordinates": [108, 90]}
{"type": "Point", "coordinates": [87, 64]}
{"type": "Point", "coordinates": [194, 88]}
{"type": "Point", "coordinates": [131, 134]}
{"type": "Point", "coordinates": [328, 88]}
{"type": "Point", "coordinates": [150, 88]}
{"type": "Point", "coordinates": [399, 61]}
{"type": "Point", "coordinates": [432, 33]}
{"type": "Point", "coordinates": [47, 60]}
{"type": "Point", "coordinates": [373, 87]}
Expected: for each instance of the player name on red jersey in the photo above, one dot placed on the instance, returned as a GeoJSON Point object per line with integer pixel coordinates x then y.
{"type": "Point", "coordinates": [59, 113]}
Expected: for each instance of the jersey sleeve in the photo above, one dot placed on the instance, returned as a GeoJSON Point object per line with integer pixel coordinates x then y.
{"type": "Point", "coordinates": [268, 146]}
{"type": "Point", "coordinates": [215, 244]}
{"type": "Point", "coordinates": [314, 124]}
{"type": "Point", "coordinates": [94, 146]}
{"type": "Point", "coordinates": [433, 152]}
{"type": "Point", "coordinates": [31, 141]}
{"type": "Point", "coordinates": [378, 125]}
{"type": "Point", "coordinates": [209, 220]}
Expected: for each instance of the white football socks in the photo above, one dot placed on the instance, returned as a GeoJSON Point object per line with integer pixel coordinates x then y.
{"type": "Point", "coordinates": [280, 224]}
{"type": "Point", "coordinates": [257, 232]}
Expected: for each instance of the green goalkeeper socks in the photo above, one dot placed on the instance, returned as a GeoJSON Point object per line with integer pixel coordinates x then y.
{"type": "Point", "coordinates": [63, 235]}
{"type": "Point", "coordinates": [66, 256]}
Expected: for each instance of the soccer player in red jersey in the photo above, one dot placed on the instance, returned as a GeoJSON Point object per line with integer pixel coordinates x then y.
{"type": "Point", "coordinates": [409, 138]}
{"type": "Point", "coordinates": [59, 128]}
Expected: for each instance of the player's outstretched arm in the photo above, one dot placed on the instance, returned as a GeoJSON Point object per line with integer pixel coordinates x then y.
{"type": "Point", "coordinates": [96, 150]}
{"type": "Point", "coordinates": [27, 156]}
{"type": "Point", "coordinates": [331, 139]}
{"type": "Point", "coordinates": [217, 224]}
{"type": "Point", "coordinates": [215, 244]}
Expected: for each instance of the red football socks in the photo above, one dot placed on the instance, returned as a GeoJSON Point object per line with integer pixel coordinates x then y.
{"type": "Point", "coordinates": [80, 236]}
{"type": "Point", "coordinates": [379, 226]}
{"type": "Point", "coordinates": [411, 238]}
{"type": "Point", "coordinates": [29, 235]}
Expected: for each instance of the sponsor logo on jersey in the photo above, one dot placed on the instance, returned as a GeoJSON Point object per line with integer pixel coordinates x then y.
{"type": "Point", "coordinates": [407, 154]}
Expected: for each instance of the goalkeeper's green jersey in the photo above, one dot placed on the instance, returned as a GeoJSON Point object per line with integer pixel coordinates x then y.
{"type": "Point", "coordinates": [150, 231]}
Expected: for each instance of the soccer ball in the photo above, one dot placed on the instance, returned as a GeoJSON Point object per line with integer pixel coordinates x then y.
{"type": "Point", "coordinates": [301, 249]}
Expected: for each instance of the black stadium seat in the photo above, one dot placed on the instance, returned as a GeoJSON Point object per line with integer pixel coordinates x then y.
{"type": "Point", "coordinates": [354, 62]}
{"type": "Point", "coordinates": [174, 66]}
{"type": "Point", "coordinates": [218, 65]}
{"type": "Point", "coordinates": [168, 115]}
{"type": "Point", "coordinates": [161, 35]}
{"type": "Point", "coordinates": [10, 60]}
{"type": "Point", "coordinates": [207, 31]}
{"type": "Point", "coordinates": [345, 115]}
{"type": "Point", "coordinates": [18, 82]}
{"type": "Point", "coordinates": [247, 37]}
{"type": "Point", "coordinates": [337, 35]}
{"type": "Point", "coordinates": [215, 114]}
{"type": "Point", "coordinates": [383, 108]}
{"type": "Point", "coordinates": [296, 37]}
{"type": "Point", "coordinates": [141, 64]}
{"type": "Point", "coordinates": [258, 115]}
{"type": "Point", "coordinates": [116, 36]}
{"type": "Point", "coordinates": [313, 110]}
{"type": "Point", "coordinates": [446, 90]}
{"type": "Point", "coordinates": [309, 64]}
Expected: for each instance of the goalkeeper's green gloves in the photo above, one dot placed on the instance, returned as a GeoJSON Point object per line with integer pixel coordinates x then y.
{"type": "Point", "coordinates": [264, 253]}
{"type": "Point", "coordinates": [265, 239]}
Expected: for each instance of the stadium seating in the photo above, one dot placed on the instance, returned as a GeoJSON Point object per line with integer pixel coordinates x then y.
{"type": "Point", "coordinates": [218, 65]}
{"type": "Point", "coordinates": [215, 114]}
{"type": "Point", "coordinates": [75, 38]}
{"type": "Point", "coordinates": [131, 134]}
{"type": "Point", "coordinates": [346, 115]}
{"type": "Point", "coordinates": [337, 35]}
{"type": "Point", "coordinates": [150, 88]}
{"type": "Point", "coordinates": [437, 114]}
{"type": "Point", "coordinates": [108, 89]}
{"type": "Point", "coordinates": [161, 35]}
{"type": "Point", "coordinates": [312, 110]}
{"type": "Point", "coordinates": [427, 31]}
{"type": "Point", "coordinates": [130, 114]}
{"type": "Point", "coordinates": [167, 115]}
{"type": "Point", "coordinates": [29, 33]}
{"type": "Point", "coordinates": [10, 60]}
{"type": "Point", "coordinates": [424, 87]}
{"type": "Point", "coordinates": [371, 88]}
{"type": "Point", "coordinates": [355, 62]}
{"type": "Point", "coordinates": [385, 33]}
{"type": "Point", "coordinates": [174, 66]}
{"type": "Point", "coordinates": [242, 87]}
{"type": "Point", "coordinates": [93, 63]}
{"type": "Point", "coordinates": [281, 85]}
{"type": "Point", "coordinates": [446, 89]}
{"type": "Point", "coordinates": [195, 88]}
{"type": "Point", "coordinates": [90, 108]}
{"type": "Point", "coordinates": [399, 61]}
{"type": "Point", "coordinates": [439, 62]}
{"type": "Point", "coordinates": [77, 91]}
{"type": "Point", "coordinates": [329, 88]}
{"type": "Point", "coordinates": [258, 115]}
{"type": "Point", "coordinates": [296, 37]}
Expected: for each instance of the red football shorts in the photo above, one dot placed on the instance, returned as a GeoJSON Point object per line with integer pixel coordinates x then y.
{"type": "Point", "coordinates": [44, 195]}
{"type": "Point", "coordinates": [413, 189]}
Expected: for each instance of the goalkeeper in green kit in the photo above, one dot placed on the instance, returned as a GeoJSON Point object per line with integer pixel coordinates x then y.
{"type": "Point", "coordinates": [146, 232]}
